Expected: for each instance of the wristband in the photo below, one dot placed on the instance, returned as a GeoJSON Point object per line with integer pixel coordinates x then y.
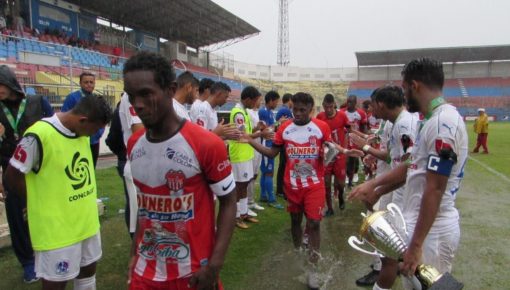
{"type": "Point", "coordinates": [366, 148]}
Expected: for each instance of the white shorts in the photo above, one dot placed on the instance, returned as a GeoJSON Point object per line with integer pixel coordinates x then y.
{"type": "Point", "coordinates": [438, 250]}
{"type": "Point", "coordinates": [243, 171]}
{"type": "Point", "coordinates": [64, 263]}
{"type": "Point", "coordinates": [256, 163]}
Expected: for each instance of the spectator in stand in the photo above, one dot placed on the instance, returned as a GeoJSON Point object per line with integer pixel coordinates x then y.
{"type": "Point", "coordinates": [87, 86]}
{"type": "Point", "coordinates": [20, 24]}
{"type": "Point", "coordinates": [3, 24]}
{"type": "Point", "coordinates": [18, 112]}
{"type": "Point", "coordinates": [73, 40]}
{"type": "Point", "coordinates": [283, 114]}
{"type": "Point", "coordinates": [481, 127]}
{"type": "Point", "coordinates": [116, 54]}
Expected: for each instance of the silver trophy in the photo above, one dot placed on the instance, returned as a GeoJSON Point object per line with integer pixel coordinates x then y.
{"type": "Point", "coordinates": [330, 153]}
{"type": "Point", "coordinates": [386, 234]}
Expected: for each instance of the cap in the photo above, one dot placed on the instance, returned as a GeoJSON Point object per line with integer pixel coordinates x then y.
{"type": "Point", "coordinates": [481, 110]}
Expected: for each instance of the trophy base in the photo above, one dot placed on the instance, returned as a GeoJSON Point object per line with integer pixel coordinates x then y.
{"type": "Point", "coordinates": [446, 282]}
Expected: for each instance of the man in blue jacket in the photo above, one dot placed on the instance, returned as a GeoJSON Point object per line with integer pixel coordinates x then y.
{"type": "Point", "coordinates": [87, 85]}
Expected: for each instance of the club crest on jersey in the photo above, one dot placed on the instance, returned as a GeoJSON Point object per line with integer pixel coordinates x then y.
{"type": "Point", "coordinates": [175, 180]}
{"type": "Point", "coordinates": [239, 120]}
{"type": "Point", "coordinates": [62, 267]}
{"type": "Point", "coordinates": [313, 140]}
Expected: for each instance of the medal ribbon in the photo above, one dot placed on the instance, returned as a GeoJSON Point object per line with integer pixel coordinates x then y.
{"type": "Point", "coordinates": [12, 121]}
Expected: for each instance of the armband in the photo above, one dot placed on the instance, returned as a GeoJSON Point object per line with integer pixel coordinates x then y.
{"type": "Point", "coordinates": [440, 165]}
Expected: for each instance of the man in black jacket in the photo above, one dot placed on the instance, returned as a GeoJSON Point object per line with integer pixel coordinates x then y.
{"type": "Point", "coordinates": [17, 113]}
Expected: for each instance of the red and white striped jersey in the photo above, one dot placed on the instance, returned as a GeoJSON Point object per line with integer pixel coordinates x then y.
{"type": "Point", "coordinates": [303, 148]}
{"type": "Point", "coordinates": [176, 180]}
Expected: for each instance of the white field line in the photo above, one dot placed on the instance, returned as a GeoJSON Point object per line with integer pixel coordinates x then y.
{"type": "Point", "coordinates": [490, 169]}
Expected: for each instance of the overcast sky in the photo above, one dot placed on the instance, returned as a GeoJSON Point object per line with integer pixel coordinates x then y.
{"type": "Point", "coordinates": [326, 33]}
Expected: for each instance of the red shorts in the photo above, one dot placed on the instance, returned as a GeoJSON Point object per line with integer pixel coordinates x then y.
{"type": "Point", "coordinates": [310, 201]}
{"type": "Point", "coordinates": [337, 168]}
{"type": "Point", "coordinates": [140, 283]}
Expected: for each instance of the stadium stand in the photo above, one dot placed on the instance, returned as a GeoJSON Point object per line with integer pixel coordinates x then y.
{"type": "Point", "coordinates": [476, 77]}
{"type": "Point", "coordinates": [468, 94]}
{"type": "Point", "coordinates": [108, 75]}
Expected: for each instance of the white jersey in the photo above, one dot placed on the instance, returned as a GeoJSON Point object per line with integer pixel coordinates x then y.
{"type": "Point", "coordinates": [444, 130]}
{"type": "Point", "coordinates": [384, 136]}
{"type": "Point", "coordinates": [194, 108]}
{"type": "Point", "coordinates": [205, 116]}
{"type": "Point", "coordinates": [405, 125]}
{"type": "Point", "coordinates": [180, 110]}
{"type": "Point", "coordinates": [128, 117]}
{"type": "Point", "coordinates": [254, 117]}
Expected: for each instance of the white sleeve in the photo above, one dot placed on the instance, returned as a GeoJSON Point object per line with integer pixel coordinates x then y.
{"type": "Point", "coordinates": [26, 156]}
{"type": "Point", "coordinates": [409, 131]}
{"type": "Point", "coordinates": [128, 112]}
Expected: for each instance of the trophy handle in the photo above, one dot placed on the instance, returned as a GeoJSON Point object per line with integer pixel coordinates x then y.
{"type": "Point", "coordinates": [396, 212]}
{"type": "Point", "coordinates": [356, 243]}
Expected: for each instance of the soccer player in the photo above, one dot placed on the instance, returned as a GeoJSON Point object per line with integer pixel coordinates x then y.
{"type": "Point", "coordinates": [372, 120]}
{"type": "Point", "coordinates": [433, 175]}
{"type": "Point", "coordinates": [283, 114]}
{"type": "Point", "coordinates": [388, 102]}
{"type": "Point", "coordinates": [87, 86]}
{"type": "Point", "coordinates": [205, 116]}
{"type": "Point", "coordinates": [337, 122]}
{"type": "Point", "coordinates": [204, 91]}
{"type": "Point", "coordinates": [177, 243]}
{"type": "Point", "coordinates": [481, 127]}
{"type": "Point", "coordinates": [266, 115]}
{"type": "Point", "coordinates": [372, 127]}
{"type": "Point", "coordinates": [130, 123]}
{"type": "Point", "coordinates": [186, 94]}
{"type": "Point", "coordinates": [358, 122]}
{"type": "Point", "coordinates": [241, 154]}
{"type": "Point", "coordinates": [252, 205]}
{"type": "Point", "coordinates": [303, 139]}
{"type": "Point", "coordinates": [52, 168]}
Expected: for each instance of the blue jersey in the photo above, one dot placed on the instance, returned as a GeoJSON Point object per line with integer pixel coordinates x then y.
{"type": "Point", "coordinates": [267, 116]}
{"type": "Point", "coordinates": [284, 111]}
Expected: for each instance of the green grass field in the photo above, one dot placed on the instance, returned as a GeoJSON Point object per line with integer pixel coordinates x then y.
{"type": "Point", "coordinates": [262, 257]}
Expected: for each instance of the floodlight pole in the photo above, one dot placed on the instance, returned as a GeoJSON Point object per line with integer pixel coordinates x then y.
{"type": "Point", "coordinates": [283, 58]}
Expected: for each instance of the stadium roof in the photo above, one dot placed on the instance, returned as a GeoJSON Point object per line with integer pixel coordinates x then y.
{"type": "Point", "coordinates": [198, 23]}
{"type": "Point", "coordinates": [446, 54]}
